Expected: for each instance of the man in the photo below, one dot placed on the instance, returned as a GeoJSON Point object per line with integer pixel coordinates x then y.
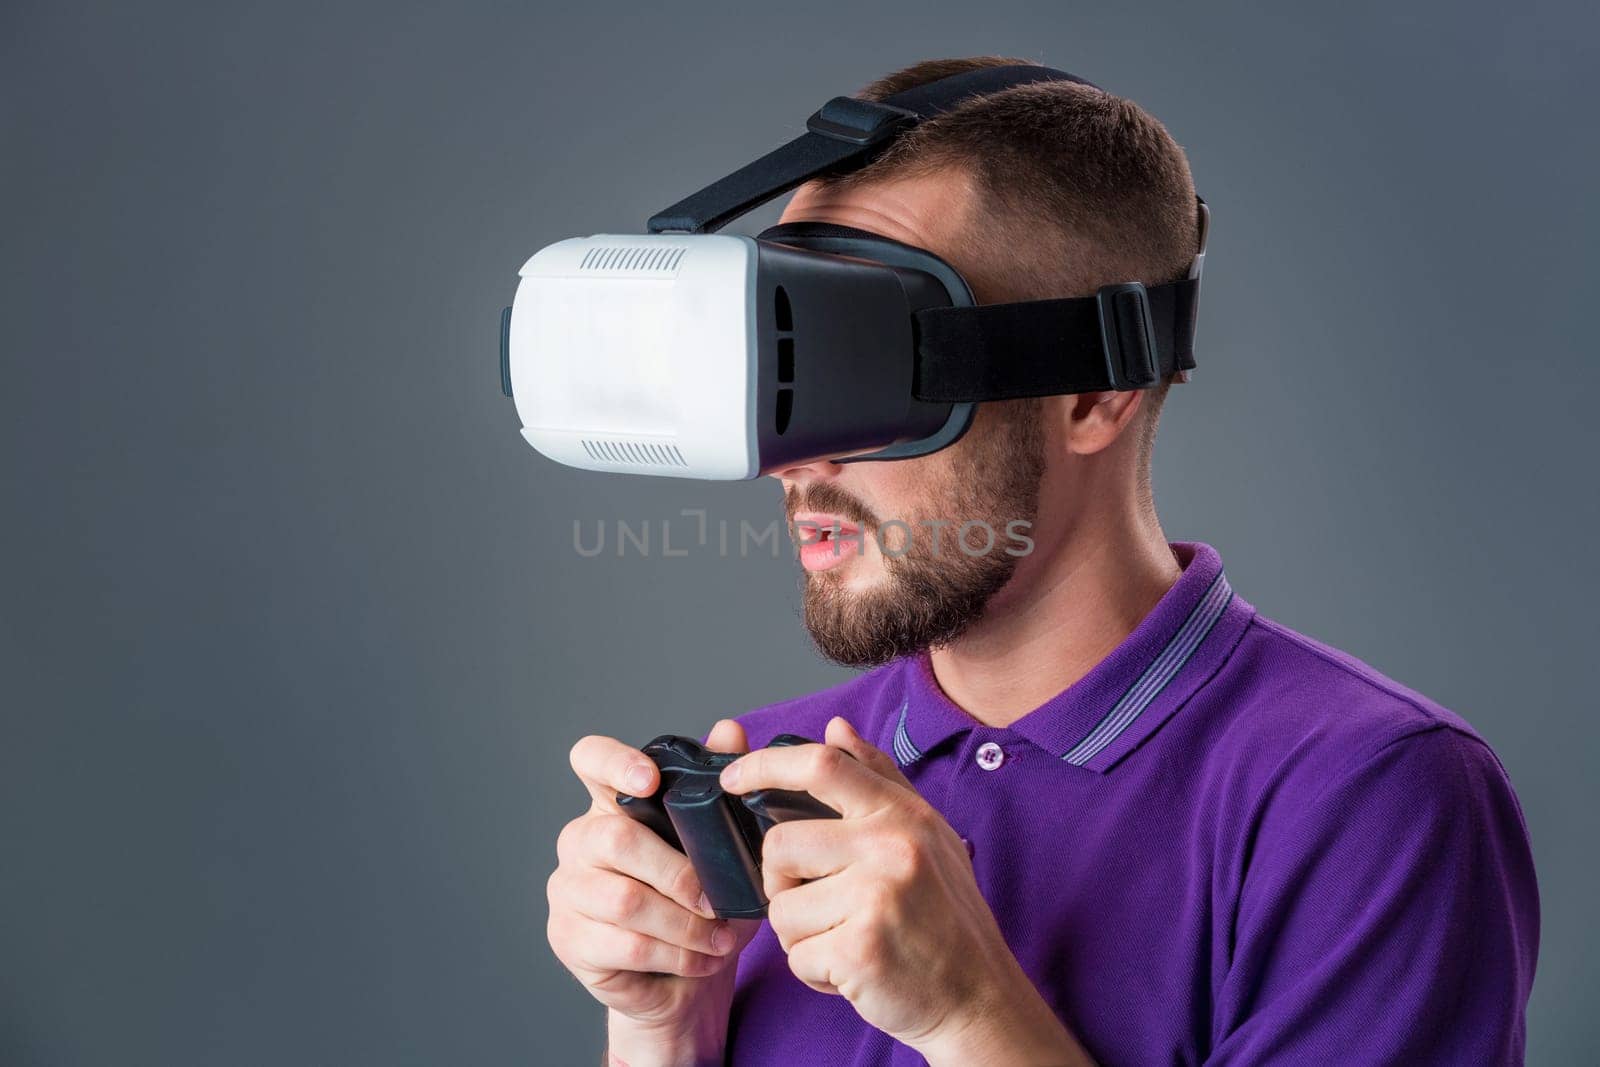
{"type": "Point", "coordinates": [1095, 807]}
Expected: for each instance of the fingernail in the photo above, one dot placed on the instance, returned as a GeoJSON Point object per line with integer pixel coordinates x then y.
{"type": "Point", "coordinates": [721, 939]}
{"type": "Point", "coordinates": [637, 780]}
{"type": "Point", "coordinates": [703, 905]}
{"type": "Point", "coordinates": [730, 776]}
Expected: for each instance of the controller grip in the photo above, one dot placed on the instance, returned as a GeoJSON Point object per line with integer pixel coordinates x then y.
{"type": "Point", "coordinates": [653, 814]}
{"type": "Point", "coordinates": [721, 834]}
{"type": "Point", "coordinates": [722, 843]}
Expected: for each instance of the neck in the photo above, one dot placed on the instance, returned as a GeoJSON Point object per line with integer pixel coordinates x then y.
{"type": "Point", "coordinates": [1067, 606]}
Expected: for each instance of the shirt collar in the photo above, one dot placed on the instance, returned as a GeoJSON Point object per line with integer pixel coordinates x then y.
{"type": "Point", "coordinates": [1105, 715]}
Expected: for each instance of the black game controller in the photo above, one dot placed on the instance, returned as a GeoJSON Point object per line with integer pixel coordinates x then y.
{"type": "Point", "coordinates": [719, 832]}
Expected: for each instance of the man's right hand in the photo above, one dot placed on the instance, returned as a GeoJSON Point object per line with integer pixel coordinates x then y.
{"type": "Point", "coordinates": [629, 920]}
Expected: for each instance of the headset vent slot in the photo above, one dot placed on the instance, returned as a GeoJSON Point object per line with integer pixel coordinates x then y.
{"type": "Point", "coordinates": [633, 453]}
{"type": "Point", "coordinates": [660, 260]}
{"type": "Point", "coordinates": [785, 409]}
{"type": "Point", "coordinates": [782, 313]}
{"type": "Point", "coordinates": [783, 324]}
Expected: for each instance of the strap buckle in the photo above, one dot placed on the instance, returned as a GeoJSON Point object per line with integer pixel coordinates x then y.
{"type": "Point", "coordinates": [860, 122]}
{"type": "Point", "coordinates": [1128, 335]}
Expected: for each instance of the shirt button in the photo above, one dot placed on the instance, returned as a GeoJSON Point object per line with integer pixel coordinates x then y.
{"type": "Point", "coordinates": [990, 755]}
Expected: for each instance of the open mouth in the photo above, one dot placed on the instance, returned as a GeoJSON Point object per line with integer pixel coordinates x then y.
{"type": "Point", "coordinates": [824, 529]}
{"type": "Point", "coordinates": [826, 540]}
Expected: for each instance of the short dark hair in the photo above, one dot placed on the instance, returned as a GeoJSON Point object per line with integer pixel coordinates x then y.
{"type": "Point", "coordinates": [1080, 188]}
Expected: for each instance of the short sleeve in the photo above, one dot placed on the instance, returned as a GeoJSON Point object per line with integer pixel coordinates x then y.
{"type": "Point", "coordinates": [1388, 916]}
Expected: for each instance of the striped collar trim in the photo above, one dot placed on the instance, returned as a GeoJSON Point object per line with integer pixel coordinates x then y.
{"type": "Point", "coordinates": [905, 750]}
{"type": "Point", "coordinates": [1113, 709]}
{"type": "Point", "coordinates": [1149, 685]}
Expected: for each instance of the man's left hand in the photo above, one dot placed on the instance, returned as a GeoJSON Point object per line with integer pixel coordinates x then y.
{"type": "Point", "coordinates": [882, 907]}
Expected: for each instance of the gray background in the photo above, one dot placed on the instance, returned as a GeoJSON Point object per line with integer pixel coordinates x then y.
{"type": "Point", "coordinates": [293, 640]}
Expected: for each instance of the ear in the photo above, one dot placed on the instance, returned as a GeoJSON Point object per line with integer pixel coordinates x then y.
{"type": "Point", "coordinates": [1094, 421]}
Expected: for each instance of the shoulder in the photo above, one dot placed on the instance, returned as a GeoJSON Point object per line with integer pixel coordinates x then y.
{"type": "Point", "coordinates": [1374, 853]}
{"type": "Point", "coordinates": [1285, 698]}
{"type": "Point", "coordinates": [863, 700]}
{"type": "Point", "coordinates": [1302, 727]}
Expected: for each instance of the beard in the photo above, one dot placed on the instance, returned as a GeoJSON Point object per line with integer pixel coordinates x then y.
{"type": "Point", "coordinates": [933, 590]}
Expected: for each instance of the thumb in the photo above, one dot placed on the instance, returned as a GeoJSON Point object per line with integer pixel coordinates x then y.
{"type": "Point", "coordinates": [840, 734]}
{"type": "Point", "coordinates": [727, 736]}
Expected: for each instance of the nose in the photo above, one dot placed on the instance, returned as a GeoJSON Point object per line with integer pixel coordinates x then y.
{"type": "Point", "coordinates": [806, 473]}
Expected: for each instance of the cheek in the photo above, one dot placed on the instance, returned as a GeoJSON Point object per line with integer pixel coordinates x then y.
{"type": "Point", "coordinates": [907, 489]}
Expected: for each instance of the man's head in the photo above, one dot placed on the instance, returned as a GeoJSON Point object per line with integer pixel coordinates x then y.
{"type": "Point", "coordinates": [1045, 190]}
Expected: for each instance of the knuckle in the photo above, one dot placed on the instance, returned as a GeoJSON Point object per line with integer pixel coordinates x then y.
{"type": "Point", "coordinates": [825, 760]}
{"type": "Point", "coordinates": [683, 883]}
{"type": "Point", "coordinates": [878, 899]}
{"type": "Point", "coordinates": [553, 888]}
{"type": "Point", "coordinates": [692, 929]}
{"type": "Point", "coordinates": [567, 840]}
{"type": "Point", "coordinates": [901, 853]}
{"type": "Point", "coordinates": [778, 912]}
{"type": "Point", "coordinates": [853, 954]}
{"type": "Point", "coordinates": [772, 883]}
{"type": "Point", "coordinates": [865, 952]}
{"type": "Point", "coordinates": [635, 951]}
{"type": "Point", "coordinates": [802, 966]}
{"type": "Point", "coordinates": [623, 899]}
{"type": "Point", "coordinates": [555, 931]}
{"type": "Point", "coordinates": [613, 835]}
{"type": "Point", "coordinates": [878, 910]}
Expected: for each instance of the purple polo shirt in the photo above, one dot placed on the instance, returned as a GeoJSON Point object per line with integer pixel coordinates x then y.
{"type": "Point", "coordinates": [1226, 844]}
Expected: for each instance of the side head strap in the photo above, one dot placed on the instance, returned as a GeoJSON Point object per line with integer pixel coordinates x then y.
{"type": "Point", "coordinates": [1126, 336]}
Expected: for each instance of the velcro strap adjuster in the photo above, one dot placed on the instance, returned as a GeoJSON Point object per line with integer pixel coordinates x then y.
{"type": "Point", "coordinates": [862, 122]}
{"type": "Point", "coordinates": [1129, 335]}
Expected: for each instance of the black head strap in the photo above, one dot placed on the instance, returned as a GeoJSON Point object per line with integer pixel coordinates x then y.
{"type": "Point", "coordinates": [845, 134]}
{"type": "Point", "coordinates": [1126, 336]}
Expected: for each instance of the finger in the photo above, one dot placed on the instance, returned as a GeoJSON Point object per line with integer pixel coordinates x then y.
{"type": "Point", "coordinates": [794, 852]}
{"type": "Point", "coordinates": [728, 736]}
{"type": "Point", "coordinates": [842, 734]}
{"type": "Point", "coordinates": [609, 897]}
{"type": "Point", "coordinates": [617, 843]}
{"type": "Point", "coordinates": [815, 960]}
{"type": "Point", "coordinates": [824, 771]}
{"type": "Point", "coordinates": [608, 767]}
{"type": "Point", "coordinates": [808, 910]}
{"type": "Point", "coordinates": [602, 947]}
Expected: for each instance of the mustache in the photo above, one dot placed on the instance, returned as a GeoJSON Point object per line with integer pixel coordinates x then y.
{"type": "Point", "coordinates": [823, 496]}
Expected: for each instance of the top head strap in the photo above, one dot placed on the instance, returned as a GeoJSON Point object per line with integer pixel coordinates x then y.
{"type": "Point", "coordinates": [845, 134]}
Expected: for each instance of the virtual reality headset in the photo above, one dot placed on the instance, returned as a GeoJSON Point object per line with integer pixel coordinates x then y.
{"type": "Point", "coordinates": [694, 354]}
